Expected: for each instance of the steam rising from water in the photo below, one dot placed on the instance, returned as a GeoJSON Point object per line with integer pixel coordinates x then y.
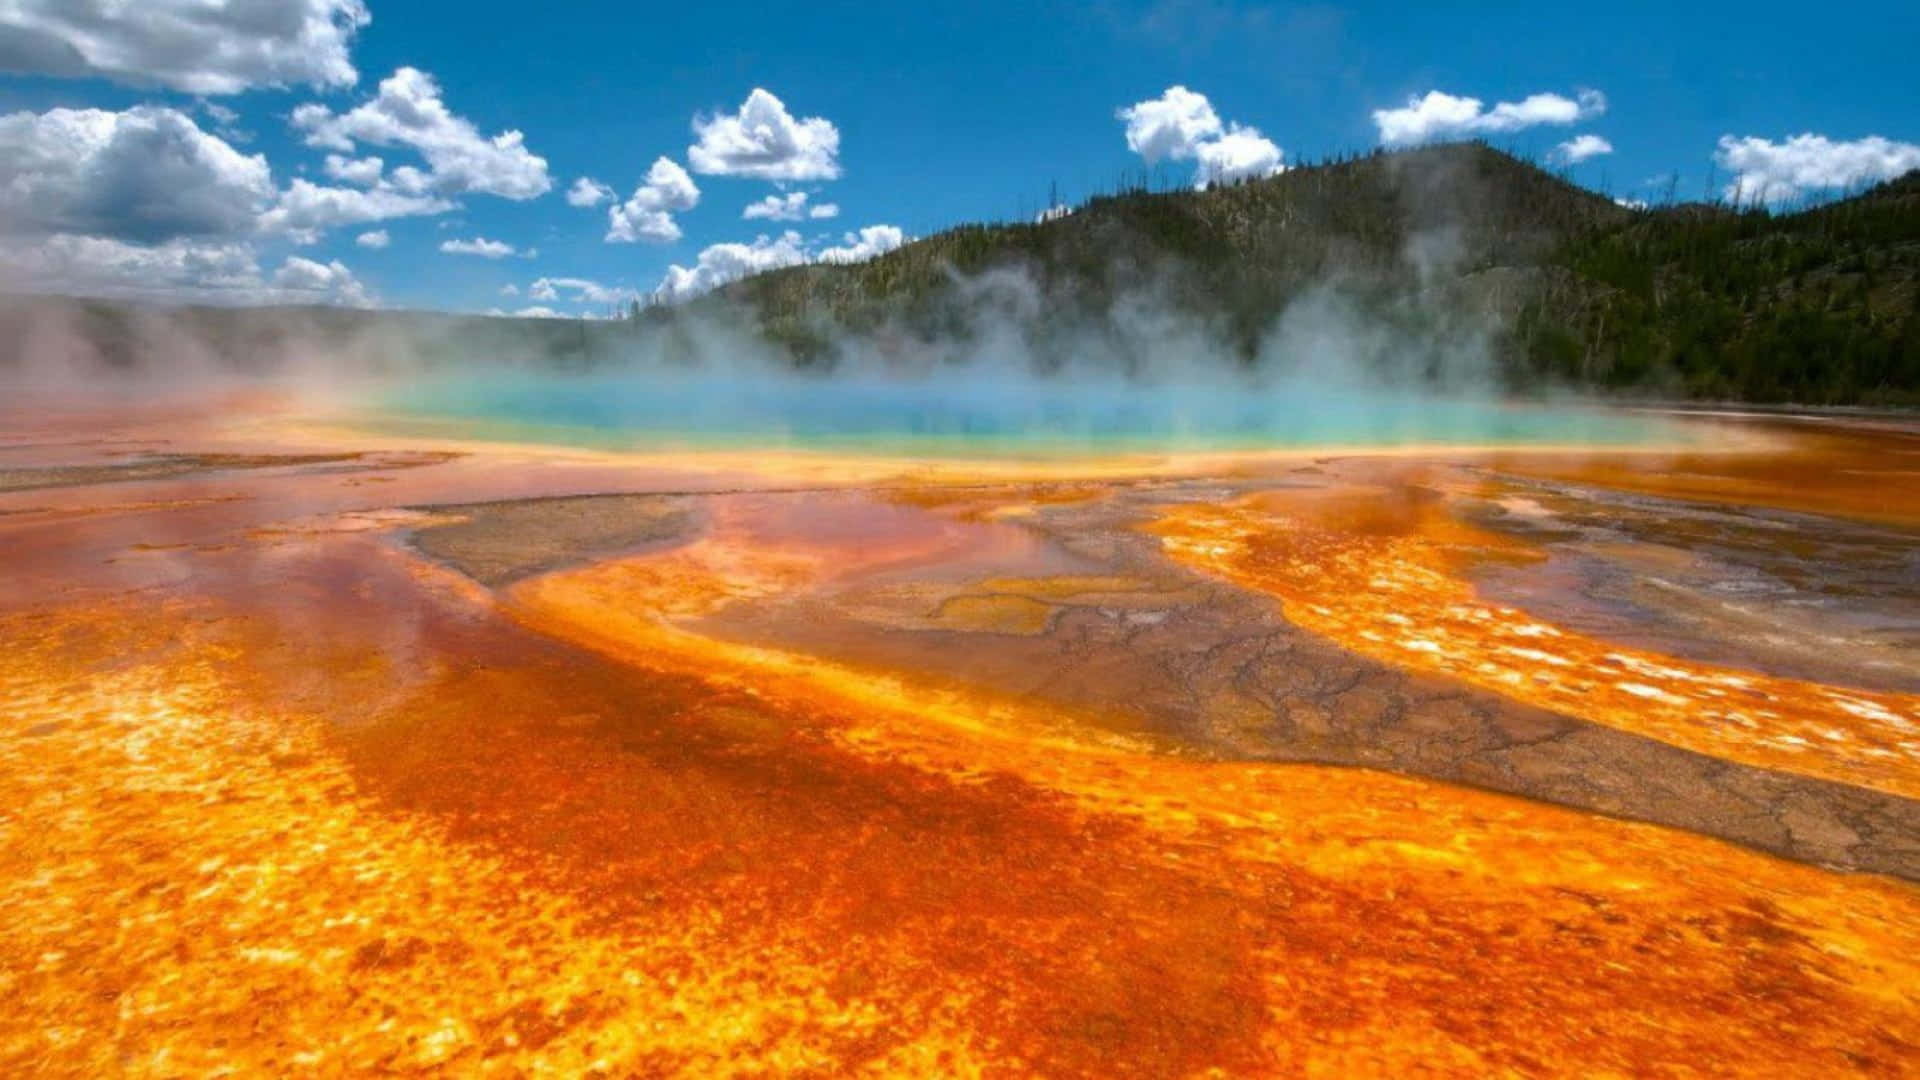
{"type": "Point", "coordinates": [965, 413]}
{"type": "Point", "coordinates": [1369, 356]}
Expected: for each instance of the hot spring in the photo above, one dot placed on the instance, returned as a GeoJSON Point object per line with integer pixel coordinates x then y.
{"type": "Point", "coordinates": [973, 417]}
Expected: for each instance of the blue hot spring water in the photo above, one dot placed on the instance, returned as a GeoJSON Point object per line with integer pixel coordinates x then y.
{"type": "Point", "coordinates": [972, 416]}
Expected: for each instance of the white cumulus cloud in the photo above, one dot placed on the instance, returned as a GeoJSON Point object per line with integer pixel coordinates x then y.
{"type": "Point", "coordinates": [579, 291]}
{"type": "Point", "coordinates": [586, 191]}
{"type": "Point", "coordinates": [865, 244]}
{"type": "Point", "coordinates": [648, 212]}
{"type": "Point", "coordinates": [1181, 125]}
{"type": "Point", "coordinates": [145, 175]}
{"type": "Point", "coordinates": [764, 141]}
{"type": "Point", "coordinates": [305, 209]}
{"type": "Point", "coordinates": [1242, 152]}
{"type": "Point", "coordinates": [326, 283]}
{"type": "Point", "coordinates": [1800, 164]}
{"type": "Point", "coordinates": [1439, 115]}
{"type": "Point", "coordinates": [720, 263]}
{"type": "Point", "coordinates": [103, 266]}
{"type": "Point", "coordinates": [790, 207]}
{"type": "Point", "coordinates": [175, 271]}
{"type": "Point", "coordinates": [195, 46]}
{"type": "Point", "coordinates": [479, 245]}
{"type": "Point", "coordinates": [1171, 126]}
{"type": "Point", "coordinates": [408, 111]}
{"type": "Point", "coordinates": [1580, 148]}
{"type": "Point", "coordinates": [363, 171]}
{"type": "Point", "coordinates": [374, 240]}
{"type": "Point", "coordinates": [143, 203]}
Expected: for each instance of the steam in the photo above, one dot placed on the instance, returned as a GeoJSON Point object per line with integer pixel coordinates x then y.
{"type": "Point", "coordinates": [1008, 353]}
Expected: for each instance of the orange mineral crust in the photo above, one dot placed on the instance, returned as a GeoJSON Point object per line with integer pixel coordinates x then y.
{"type": "Point", "coordinates": [1451, 866]}
{"type": "Point", "coordinates": [1381, 572]}
{"type": "Point", "coordinates": [412, 837]}
{"type": "Point", "coordinates": [1864, 470]}
{"type": "Point", "coordinates": [282, 795]}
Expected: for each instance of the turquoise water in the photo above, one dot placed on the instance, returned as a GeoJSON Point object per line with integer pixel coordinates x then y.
{"type": "Point", "coordinates": [954, 416]}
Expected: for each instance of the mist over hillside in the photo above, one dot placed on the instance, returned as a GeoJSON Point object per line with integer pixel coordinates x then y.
{"type": "Point", "coordinates": [1454, 261]}
{"type": "Point", "coordinates": [1454, 266]}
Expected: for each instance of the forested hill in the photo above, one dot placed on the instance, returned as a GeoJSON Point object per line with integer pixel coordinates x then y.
{"type": "Point", "coordinates": [1695, 300]}
{"type": "Point", "coordinates": [1423, 264]}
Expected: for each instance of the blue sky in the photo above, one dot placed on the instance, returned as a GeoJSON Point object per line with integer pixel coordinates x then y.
{"type": "Point", "coordinates": [939, 114]}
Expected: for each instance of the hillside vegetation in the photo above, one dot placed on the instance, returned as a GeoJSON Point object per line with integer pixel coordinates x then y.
{"type": "Point", "coordinates": [1436, 264]}
{"type": "Point", "coordinates": [1567, 286]}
